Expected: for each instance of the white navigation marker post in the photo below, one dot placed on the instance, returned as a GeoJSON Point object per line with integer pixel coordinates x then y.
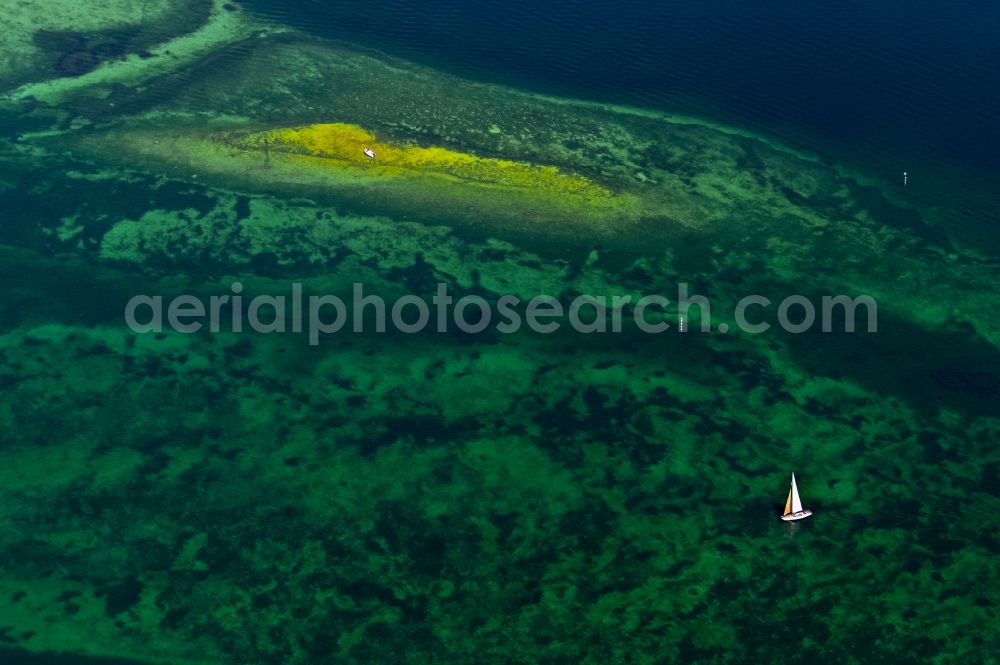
{"type": "Point", "coordinates": [906, 178]}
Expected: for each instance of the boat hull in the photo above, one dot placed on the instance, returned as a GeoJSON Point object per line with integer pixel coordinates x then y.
{"type": "Point", "coordinates": [801, 515]}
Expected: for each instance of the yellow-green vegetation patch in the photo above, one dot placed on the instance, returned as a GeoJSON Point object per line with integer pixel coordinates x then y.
{"type": "Point", "coordinates": [342, 146]}
{"type": "Point", "coordinates": [403, 180]}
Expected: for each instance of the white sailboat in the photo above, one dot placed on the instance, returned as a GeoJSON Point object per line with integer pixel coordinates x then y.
{"type": "Point", "coordinates": [793, 505]}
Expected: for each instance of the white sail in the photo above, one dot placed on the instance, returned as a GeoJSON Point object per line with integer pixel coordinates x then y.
{"type": "Point", "coordinates": [796, 501]}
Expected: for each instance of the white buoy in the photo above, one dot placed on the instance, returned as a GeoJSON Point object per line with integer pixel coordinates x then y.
{"type": "Point", "coordinates": [906, 178]}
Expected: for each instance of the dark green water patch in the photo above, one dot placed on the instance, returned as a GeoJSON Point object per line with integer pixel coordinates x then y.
{"type": "Point", "coordinates": [70, 290]}
{"type": "Point", "coordinates": [928, 368]}
{"type": "Point", "coordinates": [34, 208]}
{"type": "Point", "coordinates": [23, 657]}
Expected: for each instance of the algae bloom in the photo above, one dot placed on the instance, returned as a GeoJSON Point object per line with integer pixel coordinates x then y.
{"type": "Point", "coordinates": [342, 145]}
{"type": "Point", "coordinates": [336, 151]}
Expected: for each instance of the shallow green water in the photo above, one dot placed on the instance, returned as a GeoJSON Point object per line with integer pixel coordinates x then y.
{"type": "Point", "coordinates": [523, 498]}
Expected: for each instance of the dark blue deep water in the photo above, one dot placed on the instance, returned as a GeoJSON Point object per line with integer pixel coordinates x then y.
{"type": "Point", "coordinates": [887, 86]}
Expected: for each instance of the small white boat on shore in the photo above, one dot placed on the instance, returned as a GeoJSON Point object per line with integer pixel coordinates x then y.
{"type": "Point", "coordinates": [369, 153]}
{"type": "Point", "coordinates": [793, 505]}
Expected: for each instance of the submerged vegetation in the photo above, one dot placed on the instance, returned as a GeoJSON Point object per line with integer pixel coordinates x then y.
{"type": "Point", "coordinates": [430, 183]}
{"type": "Point", "coordinates": [245, 499]}
{"type": "Point", "coordinates": [341, 146]}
